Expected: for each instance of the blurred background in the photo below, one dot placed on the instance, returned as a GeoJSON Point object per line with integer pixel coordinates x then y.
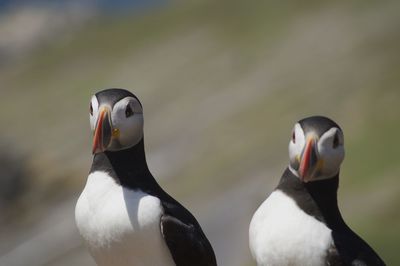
{"type": "Point", "coordinates": [222, 84]}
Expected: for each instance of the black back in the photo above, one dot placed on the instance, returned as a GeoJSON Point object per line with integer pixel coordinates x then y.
{"type": "Point", "coordinates": [319, 199]}
{"type": "Point", "coordinates": [181, 231]}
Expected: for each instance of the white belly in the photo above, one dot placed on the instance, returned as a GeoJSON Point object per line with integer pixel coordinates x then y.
{"type": "Point", "coordinates": [281, 234]}
{"type": "Point", "coordinates": [120, 226]}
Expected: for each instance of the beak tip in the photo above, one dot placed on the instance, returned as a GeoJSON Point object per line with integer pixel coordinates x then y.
{"type": "Point", "coordinates": [302, 177]}
{"type": "Point", "coordinates": [97, 149]}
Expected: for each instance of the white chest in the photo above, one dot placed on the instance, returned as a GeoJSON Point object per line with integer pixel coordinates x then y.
{"type": "Point", "coordinates": [281, 234]}
{"type": "Point", "coordinates": [120, 226]}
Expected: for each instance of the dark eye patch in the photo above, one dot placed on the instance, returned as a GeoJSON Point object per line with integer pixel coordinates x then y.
{"type": "Point", "coordinates": [128, 111]}
{"type": "Point", "coordinates": [335, 141]}
{"type": "Point", "coordinates": [91, 109]}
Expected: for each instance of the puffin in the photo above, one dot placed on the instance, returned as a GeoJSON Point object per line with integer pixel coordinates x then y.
{"type": "Point", "coordinates": [300, 222]}
{"type": "Point", "coordinates": [123, 215]}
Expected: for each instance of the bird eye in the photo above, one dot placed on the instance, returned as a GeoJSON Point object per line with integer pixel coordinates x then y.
{"type": "Point", "coordinates": [294, 137]}
{"type": "Point", "coordinates": [128, 111]}
{"type": "Point", "coordinates": [335, 141]}
{"type": "Point", "coordinates": [91, 109]}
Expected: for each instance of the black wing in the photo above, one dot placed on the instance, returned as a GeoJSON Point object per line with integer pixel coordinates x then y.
{"type": "Point", "coordinates": [333, 257]}
{"type": "Point", "coordinates": [350, 249]}
{"type": "Point", "coordinates": [185, 238]}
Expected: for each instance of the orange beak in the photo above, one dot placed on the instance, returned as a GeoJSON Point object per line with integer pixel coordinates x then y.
{"type": "Point", "coordinates": [102, 131]}
{"type": "Point", "coordinates": [309, 160]}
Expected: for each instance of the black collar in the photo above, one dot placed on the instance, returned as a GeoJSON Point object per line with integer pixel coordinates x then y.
{"type": "Point", "coordinates": [316, 198]}
{"type": "Point", "coordinates": [128, 167]}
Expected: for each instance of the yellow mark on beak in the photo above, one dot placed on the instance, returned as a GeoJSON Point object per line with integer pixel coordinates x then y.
{"type": "Point", "coordinates": [298, 158]}
{"type": "Point", "coordinates": [320, 165]}
{"type": "Point", "coordinates": [115, 133]}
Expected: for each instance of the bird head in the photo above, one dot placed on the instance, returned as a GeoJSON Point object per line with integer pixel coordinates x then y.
{"type": "Point", "coordinates": [116, 120]}
{"type": "Point", "coordinates": [316, 149]}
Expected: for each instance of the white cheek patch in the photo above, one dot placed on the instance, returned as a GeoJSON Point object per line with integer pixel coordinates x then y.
{"type": "Point", "coordinates": [95, 105]}
{"type": "Point", "coordinates": [326, 140]}
{"type": "Point", "coordinates": [130, 128]}
{"type": "Point", "coordinates": [332, 157]}
{"type": "Point", "coordinates": [296, 147]}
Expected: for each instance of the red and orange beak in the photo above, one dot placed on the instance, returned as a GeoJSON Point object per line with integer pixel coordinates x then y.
{"type": "Point", "coordinates": [102, 131]}
{"type": "Point", "coordinates": [309, 162]}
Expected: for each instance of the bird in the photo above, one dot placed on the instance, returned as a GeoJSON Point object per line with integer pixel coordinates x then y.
{"type": "Point", "coordinates": [123, 214]}
{"type": "Point", "coordinates": [300, 222]}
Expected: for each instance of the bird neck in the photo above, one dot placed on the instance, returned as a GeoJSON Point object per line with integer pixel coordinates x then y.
{"type": "Point", "coordinates": [128, 167]}
{"type": "Point", "coordinates": [317, 198]}
{"type": "Point", "coordinates": [324, 193]}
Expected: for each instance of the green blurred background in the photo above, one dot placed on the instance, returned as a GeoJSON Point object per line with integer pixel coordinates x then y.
{"type": "Point", "coordinates": [222, 83]}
